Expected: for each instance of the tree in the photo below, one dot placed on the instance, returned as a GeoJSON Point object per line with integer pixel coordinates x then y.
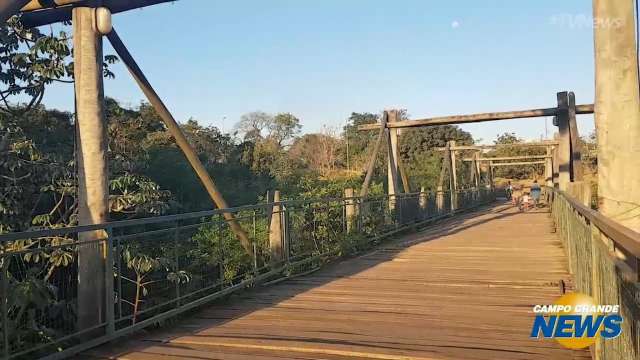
{"type": "Point", "coordinates": [284, 127]}
{"type": "Point", "coordinates": [31, 60]}
{"type": "Point", "coordinates": [421, 162]}
{"type": "Point", "coordinates": [317, 152]}
{"type": "Point", "coordinates": [253, 124]}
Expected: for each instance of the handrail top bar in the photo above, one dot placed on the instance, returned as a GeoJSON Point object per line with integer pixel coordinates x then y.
{"type": "Point", "coordinates": [474, 118]}
{"type": "Point", "coordinates": [193, 215]}
{"type": "Point", "coordinates": [618, 233]}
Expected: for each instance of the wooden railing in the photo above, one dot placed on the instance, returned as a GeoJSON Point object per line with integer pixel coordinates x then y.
{"type": "Point", "coordinates": [604, 261]}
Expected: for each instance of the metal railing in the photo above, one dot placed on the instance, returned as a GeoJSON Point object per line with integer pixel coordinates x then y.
{"type": "Point", "coordinates": [155, 268]}
{"type": "Point", "coordinates": [603, 259]}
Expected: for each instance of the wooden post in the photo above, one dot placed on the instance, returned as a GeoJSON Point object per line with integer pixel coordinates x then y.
{"type": "Point", "coordinates": [477, 169]}
{"type": "Point", "coordinates": [350, 209]}
{"type": "Point", "coordinates": [491, 175]}
{"type": "Point", "coordinates": [564, 148]}
{"type": "Point", "coordinates": [440, 199]}
{"type": "Point", "coordinates": [275, 230]}
{"type": "Point", "coordinates": [447, 163]}
{"type": "Point", "coordinates": [423, 202]}
{"type": "Point", "coordinates": [453, 176]}
{"type": "Point", "coordinates": [454, 169]}
{"type": "Point", "coordinates": [478, 176]}
{"type": "Point", "coordinates": [556, 166]}
{"type": "Point", "coordinates": [392, 162]}
{"type": "Point", "coordinates": [548, 168]}
{"type": "Point", "coordinates": [472, 171]}
{"type": "Point", "coordinates": [574, 135]}
{"type": "Point", "coordinates": [93, 190]}
{"type": "Point", "coordinates": [617, 112]}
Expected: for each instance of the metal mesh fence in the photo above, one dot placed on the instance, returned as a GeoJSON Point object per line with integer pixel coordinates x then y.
{"type": "Point", "coordinates": [599, 266]}
{"type": "Point", "coordinates": [62, 290]}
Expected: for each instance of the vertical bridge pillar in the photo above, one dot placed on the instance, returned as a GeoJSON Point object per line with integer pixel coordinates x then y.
{"type": "Point", "coordinates": [276, 230]}
{"type": "Point", "coordinates": [91, 153]}
{"type": "Point", "coordinates": [393, 170]}
{"type": "Point", "coordinates": [453, 176]}
{"type": "Point", "coordinates": [617, 113]}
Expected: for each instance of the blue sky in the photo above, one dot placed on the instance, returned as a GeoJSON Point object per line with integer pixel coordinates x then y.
{"type": "Point", "coordinates": [323, 59]}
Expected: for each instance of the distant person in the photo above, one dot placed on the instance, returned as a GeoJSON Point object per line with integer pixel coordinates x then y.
{"type": "Point", "coordinates": [526, 202]}
{"type": "Point", "coordinates": [515, 195]}
{"type": "Point", "coordinates": [535, 192]}
{"type": "Point", "coordinates": [509, 190]}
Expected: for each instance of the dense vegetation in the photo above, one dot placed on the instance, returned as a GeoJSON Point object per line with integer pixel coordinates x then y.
{"type": "Point", "coordinates": [150, 176]}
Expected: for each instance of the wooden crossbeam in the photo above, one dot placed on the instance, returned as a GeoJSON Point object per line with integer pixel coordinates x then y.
{"type": "Point", "coordinates": [489, 147]}
{"type": "Point", "coordinates": [517, 163]}
{"type": "Point", "coordinates": [504, 158]}
{"type": "Point", "coordinates": [482, 117]}
{"type": "Point", "coordinates": [60, 14]}
{"type": "Point", "coordinates": [38, 4]}
{"type": "Point", "coordinates": [8, 8]}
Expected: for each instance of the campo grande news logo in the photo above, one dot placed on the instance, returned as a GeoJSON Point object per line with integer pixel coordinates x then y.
{"type": "Point", "coordinates": [576, 321]}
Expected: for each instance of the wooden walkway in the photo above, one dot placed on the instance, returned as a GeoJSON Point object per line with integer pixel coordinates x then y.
{"type": "Point", "coordinates": [460, 290]}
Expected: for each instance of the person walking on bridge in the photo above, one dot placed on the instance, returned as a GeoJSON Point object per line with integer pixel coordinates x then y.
{"type": "Point", "coordinates": [535, 192]}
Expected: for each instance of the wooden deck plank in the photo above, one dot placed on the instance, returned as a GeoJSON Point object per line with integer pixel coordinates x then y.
{"type": "Point", "coordinates": [460, 290]}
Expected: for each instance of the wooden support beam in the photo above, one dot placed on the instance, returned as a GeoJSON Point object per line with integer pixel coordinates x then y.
{"type": "Point", "coordinates": [499, 146]}
{"type": "Point", "coordinates": [364, 191]}
{"type": "Point", "coordinates": [453, 178]}
{"type": "Point", "coordinates": [517, 163]}
{"type": "Point", "coordinates": [440, 186]}
{"type": "Point", "coordinates": [474, 118]}
{"type": "Point", "coordinates": [393, 178]}
{"type": "Point", "coordinates": [503, 158]}
{"type": "Point", "coordinates": [38, 4]}
{"type": "Point", "coordinates": [276, 230]}
{"type": "Point", "coordinates": [478, 173]}
{"type": "Point", "coordinates": [60, 14]}
{"type": "Point", "coordinates": [548, 168]}
{"type": "Point", "coordinates": [181, 140]}
{"type": "Point", "coordinates": [491, 184]}
{"type": "Point", "coordinates": [564, 149]}
{"type": "Point", "coordinates": [93, 175]}
{"type": "Point", "coordinates": [574, 136]}
{"type": "Point", "coordinates": [454, 169]}
{"type": "Point", "coordinates": [556, 166]}
{"type": "Point", "coordinates": [472, 170]}
{"type": "Point", "coordinates": [403, 176]}
{"type": "Point", "coordinates": [8, 8]}
{"type": "Point", "coordinates": [618, 112]}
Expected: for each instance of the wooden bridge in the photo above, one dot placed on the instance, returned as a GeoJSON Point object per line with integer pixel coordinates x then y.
{"type": "Point", "coordinates": [461, 290]}
{"type": "Point", "coordinates": [315, 279]}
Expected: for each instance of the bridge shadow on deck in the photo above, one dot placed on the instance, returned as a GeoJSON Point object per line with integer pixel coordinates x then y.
{"type": "Point", "coordinates": [455, 290]}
